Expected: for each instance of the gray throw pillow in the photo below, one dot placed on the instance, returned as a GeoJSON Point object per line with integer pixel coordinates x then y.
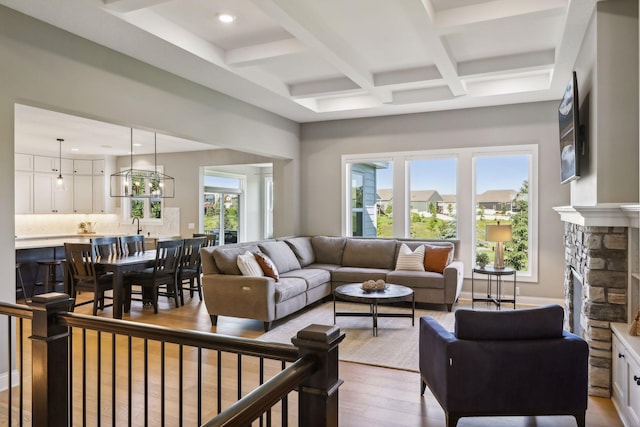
{"type": "Point", "coordinates": [301, 246]}
{"type": "Point", "coordinates": [328, 250]}
{"type": "Point", "coordinates": [281, 255]}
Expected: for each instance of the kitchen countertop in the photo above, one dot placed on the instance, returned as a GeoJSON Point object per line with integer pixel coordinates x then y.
{"type": "Point", "coordinates": [57, 240]}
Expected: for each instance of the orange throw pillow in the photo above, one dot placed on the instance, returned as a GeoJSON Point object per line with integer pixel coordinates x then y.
{"type": "Point", "coordinates": [436, 258]}
{"type": "Point", "coordinates": [267, 266]}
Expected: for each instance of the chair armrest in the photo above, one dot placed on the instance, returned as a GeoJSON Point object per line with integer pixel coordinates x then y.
{"type": "Point", "coordinates": [453, 280]}
{"type": "Point", "coordinates": [240, 296]}
{"type": "Point", "coordinates": [434, 355]}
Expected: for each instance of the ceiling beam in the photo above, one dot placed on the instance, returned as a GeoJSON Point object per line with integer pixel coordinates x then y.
{"type": "Point", "coordinates": [463, 18]}
{"type": "Point", "coordinates": [531, 61]}
{"type": "Point", "coordinates": [124, 6]}
{"type": "Point", "coordinates": [422, 13]}
{"type": "Point", "coordinates": [297, 18]}
{"type": "Point", "coordinates": [323, 88]}
{"type": "Point", "coordinates": [265, 52]}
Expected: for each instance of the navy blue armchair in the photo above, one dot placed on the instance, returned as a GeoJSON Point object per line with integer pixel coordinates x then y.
{"type": "Point", "coordinates": [498, 363]}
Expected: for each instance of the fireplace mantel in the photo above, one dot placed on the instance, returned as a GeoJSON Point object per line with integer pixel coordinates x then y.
{"type": "Point", "coordinates": [601, 215]}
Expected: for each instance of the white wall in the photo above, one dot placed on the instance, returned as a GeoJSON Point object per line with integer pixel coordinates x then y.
{"type": "Point", "coordinates": [607, 69]}
{"type": "Point", "coordinates": [324, 143]}
{"type": "Point", "coordinates": [49, 68]}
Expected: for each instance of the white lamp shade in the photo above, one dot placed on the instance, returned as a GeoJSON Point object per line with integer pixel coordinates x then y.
{"type": "Point", "coordinates": [498, 233]}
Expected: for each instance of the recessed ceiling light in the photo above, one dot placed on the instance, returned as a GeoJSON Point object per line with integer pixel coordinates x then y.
{"type": "Point", "coordinates": [75, 149]}
{"type": "Point", "coordinates": [227, 18]}
{"type": "Point", "coordinates": [137, 144]}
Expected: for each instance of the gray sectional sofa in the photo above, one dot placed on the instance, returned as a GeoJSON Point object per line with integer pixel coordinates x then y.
{"type": "Point", "coordinates": [310, 268]}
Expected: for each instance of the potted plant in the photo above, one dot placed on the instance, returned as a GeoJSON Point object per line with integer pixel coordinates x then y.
{"type": "Point", "coordinates": [482, 259]}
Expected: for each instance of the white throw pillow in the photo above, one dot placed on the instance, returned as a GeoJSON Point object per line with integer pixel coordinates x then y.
{"type": "Point", "coordinates": [248, 265]}
{"type": "Point", "coordinates": [408, 260]}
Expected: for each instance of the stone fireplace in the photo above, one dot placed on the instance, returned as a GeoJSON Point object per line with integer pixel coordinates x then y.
{"type": "Point", "coordinates": [596, 283]}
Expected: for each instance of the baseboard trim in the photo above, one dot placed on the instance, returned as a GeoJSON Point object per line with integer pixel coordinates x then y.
{"type": "Point", "coordinates": [4, 379]}
{"type": "Point", "coordinates": [524, 300]}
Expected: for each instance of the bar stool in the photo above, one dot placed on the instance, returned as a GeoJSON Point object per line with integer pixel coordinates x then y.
{"type": "Point", "coordinates": [50, 267]}
{"type": "Point", "coordinates": [20, 282]}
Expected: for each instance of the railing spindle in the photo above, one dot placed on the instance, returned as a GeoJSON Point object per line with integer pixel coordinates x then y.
{"type": "Point", "coordinates": [84, 377]}
{"type": "Point", "coordinates": [99, 379]}
{"type": "Point", "coordinates": [199, 379]}
{"type": "Point", "coordinates": [113, 379]}
{"type": "Point", "coordinates": [162, 403]}
{"type": "Point", "coordinates": [21, 351]}
{"type": "Point", "coordinates": [129, 372]}
{"type": "Point", "coordinates": [219, 366]}
{"type": "Point", "coordinates": [180, 384]}
{"type": "Point", "coordinates": [9, 375]}
{"type": "Point", "coordinates": [146, 382]}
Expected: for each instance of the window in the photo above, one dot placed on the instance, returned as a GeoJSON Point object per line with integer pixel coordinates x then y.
{"type": "Point", "coordinates": [139, 205]}
{"type": "Point", "coordinates": [446, 194]}
{"type": "Point", "coordinates": [370, 211]}
{"type": "Point", "coordinates": [432, 198]}
{"type": "Point", "coordinates": [502, 196]}
{"type": "Point", "coordinates": [222, 207]}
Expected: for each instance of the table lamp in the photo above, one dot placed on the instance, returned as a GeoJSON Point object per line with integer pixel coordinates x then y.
{"type": "Point", "coordinates": [499, 234]}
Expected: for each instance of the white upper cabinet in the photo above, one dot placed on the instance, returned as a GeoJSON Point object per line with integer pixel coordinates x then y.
{"type": "Point", "coordinates": [82, 167]}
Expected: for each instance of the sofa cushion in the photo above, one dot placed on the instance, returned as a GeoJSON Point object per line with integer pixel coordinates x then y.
{"type": "Point", "coordinates": [226, 258]}
{"type": "Point", "coordinates": [281, 255]}
{"type": "Point", "coordinates": [313, 276]}
{"type": "Point", "coordinates": [369, 253]}
{"type": "Point", "coordinates": [289, 287]}
{"type": "Point", "coordinates": [532, 323]}
{"type": "Point", "coordinates": [416, 279]}
{"type": "Point", "coordinates": [328, 250]}
{"type": "Point", "coordinates": [436, 258]}
{"type": "Point", "coordinates": [358, 274]}
{"type": "Point", "coordinates": [301, 246]}
{"type": "Point", "coordinates": [268, 268]}
{"type": "Point", "coordinates": [248, 265]}
{"type": "Point", "coordinates": [410, 260]}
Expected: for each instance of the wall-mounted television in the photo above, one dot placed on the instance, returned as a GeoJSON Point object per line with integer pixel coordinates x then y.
{"type": "Point", "coordinates": [570, 141]}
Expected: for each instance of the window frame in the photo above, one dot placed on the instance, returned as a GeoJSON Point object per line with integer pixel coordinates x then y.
{"type": "Point", "coordinates": [465, 197]}
{"type": "Point", "coordinates": [239, 191]}
{"type": "Point", "coordinates": [146, 220]}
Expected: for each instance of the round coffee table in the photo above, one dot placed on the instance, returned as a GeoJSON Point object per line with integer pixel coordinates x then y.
{"type": "Point", "coordinates": [393, 293]}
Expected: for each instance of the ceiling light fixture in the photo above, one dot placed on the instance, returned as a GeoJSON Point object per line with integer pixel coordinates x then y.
{"type": "Point", "coordinates": [141, 183]}
{"type": "Point", "coordinates": [226, 18]}
{"type": "Point", "coordinates": [59, 180]}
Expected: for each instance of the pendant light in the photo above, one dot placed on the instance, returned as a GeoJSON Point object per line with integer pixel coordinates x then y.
{"type": "Point", "coordinates": [141, 183]}
{"type": "Point", "coordinates": [60, 180]}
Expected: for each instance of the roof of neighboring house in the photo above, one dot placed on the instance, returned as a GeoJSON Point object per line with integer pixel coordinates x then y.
{"type": "Point", "coordinates": [448, 198]}
{"type": "Point", "coordinates": [425, 196]}
{"type": "Point", "coordinates": [385, 193]}
{"type": "Point", "coordinates": [503, 196]}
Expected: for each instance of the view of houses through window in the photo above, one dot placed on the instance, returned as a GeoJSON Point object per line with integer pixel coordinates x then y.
{"type": "Point", "coordinates": [498, 184]}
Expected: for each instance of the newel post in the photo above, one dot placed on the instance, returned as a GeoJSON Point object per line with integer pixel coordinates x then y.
{"type": "Point", "coordinates": [50, 361]}
{"type": "Point", "coordinates": [318, 394]}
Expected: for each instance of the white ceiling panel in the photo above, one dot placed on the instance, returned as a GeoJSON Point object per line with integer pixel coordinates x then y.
{"type": "Point", "coordinates": [311, 60]}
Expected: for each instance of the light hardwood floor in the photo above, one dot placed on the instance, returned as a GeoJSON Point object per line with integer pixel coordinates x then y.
{"type": "Point", "coordinates": [370, 396]}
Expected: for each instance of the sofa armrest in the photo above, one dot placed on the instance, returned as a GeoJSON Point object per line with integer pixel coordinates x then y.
{"type": "Point", "coordinates": [240, 296]}
{"type": "Point", "coordinates": [453, 280]}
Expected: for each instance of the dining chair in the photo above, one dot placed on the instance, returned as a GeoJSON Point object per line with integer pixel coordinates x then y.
{"type": "Point", "coordinates": [161, 279]}
{"type": "Point", "coordinates": [191, 268]}
{"type": "Point", "coordinates": [105, 246]}
{"type": "Point", "coordinates": [131, 244]}
{"type": "Point", "coordinates": [80, 259]}
{"type": "Point", "coordinates": [211, 239]}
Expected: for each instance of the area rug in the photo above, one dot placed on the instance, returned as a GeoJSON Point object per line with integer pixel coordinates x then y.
{"type": "Point", "coordinates": [396, 345]}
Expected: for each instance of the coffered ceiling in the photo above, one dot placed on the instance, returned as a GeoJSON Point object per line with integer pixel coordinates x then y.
{"type": "Point", "coordinates": [313, 60]}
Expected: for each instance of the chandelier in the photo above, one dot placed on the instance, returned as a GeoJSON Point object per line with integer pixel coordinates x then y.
{"type": "Point", "coordinates": [142, 183]}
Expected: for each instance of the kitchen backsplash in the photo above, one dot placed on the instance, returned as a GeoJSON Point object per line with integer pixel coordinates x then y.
{"type": "Point", "coordinates": [58, 224]}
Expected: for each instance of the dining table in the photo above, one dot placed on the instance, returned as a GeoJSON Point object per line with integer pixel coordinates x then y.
{"type": "Point", "coordinates": [119, 265]}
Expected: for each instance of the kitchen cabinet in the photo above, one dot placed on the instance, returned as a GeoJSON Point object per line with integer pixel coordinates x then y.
{"type": "Point", "coordinates": [24, 192]}
{"type": "Point", "coordinates": [625, 374]}
{"type": "Point", "coordinates": [98, 194]}
{"type": "Point", "coordinates": [82, 167]}
{"type": "Point", "coordinates": [98, 168]}
{"type": "Point", "coordinates": [52, 165]}
{"type": "Point", "coordinates": [82, 193]}
{"type": "Point", "coordinates": [47, 198]}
